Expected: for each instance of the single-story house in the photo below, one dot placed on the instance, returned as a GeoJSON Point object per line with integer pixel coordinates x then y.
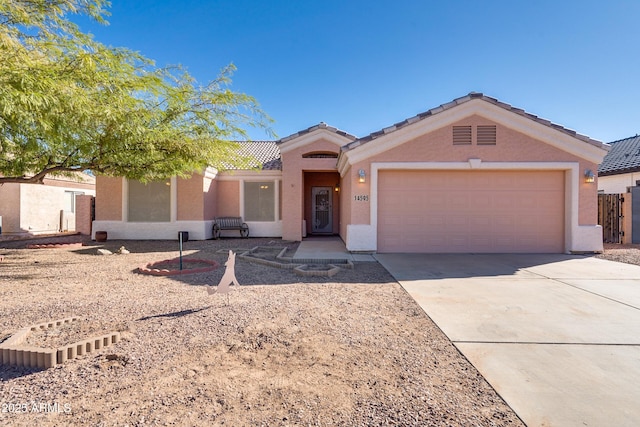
{"type": "Point", "coordinates": [620, 168]}
{"type": "Point", "coordinates": [472, 175]}
{"type": "Point", "coordinates": [43, 209]}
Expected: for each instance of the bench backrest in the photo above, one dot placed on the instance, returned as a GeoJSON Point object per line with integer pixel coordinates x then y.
{"type": "Point", "coordinates": [229, 221]}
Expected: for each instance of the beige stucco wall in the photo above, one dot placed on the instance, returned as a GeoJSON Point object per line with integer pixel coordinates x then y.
{"type": "Point", "coordinates": [82, 183]}
{"type": "Point", "coordinates": [40, 208]}
{"type": "Point", "coordinates": [83, 214]}
{"type": "Point", "coordinates": [190, 198]}
{"type": "Point", "coordinates": [10, 208]}
{"type": "Point", "coordinates": [36, 208]}
{"type": "Point", "coordinates": [108, 198]}
{"type": "Point", "coordinates": [345, 204]}
{"type": "Point", "coordinates": [228, 195]}
{"type": "Point", "coordinates": [210, 189]}
{"type": "Point", "coordinates": [617, 184]}
{"type": "Point", "coordinates": [294, 166]}
{"type": "Point", "coordinates": [511, 146]}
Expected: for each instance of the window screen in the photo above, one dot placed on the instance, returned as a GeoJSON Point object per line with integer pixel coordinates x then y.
{"type": "Point", "coordinates": [150, 202]}
{"type": "Point", "coordinates": [259, 201]}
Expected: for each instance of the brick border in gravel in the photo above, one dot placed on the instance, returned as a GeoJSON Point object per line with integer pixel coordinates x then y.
{"type": "Point", "coordinates": [153, 270]}
{"type": "Point", "coordinates": [14, 353]}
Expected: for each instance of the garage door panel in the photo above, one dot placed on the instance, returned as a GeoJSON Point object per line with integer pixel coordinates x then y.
{"type": "Point", "coordinates": [413, 220]}
{"type": "Point", "coordinates": [471, 211]}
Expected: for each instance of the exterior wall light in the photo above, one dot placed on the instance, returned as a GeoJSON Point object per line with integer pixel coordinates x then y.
{"type": "Point", "coordinates": [337, 188]}
{"type": "Point", "coordinates": [589, 176]}
{"type": "Point", "coordinates": [362, 177]}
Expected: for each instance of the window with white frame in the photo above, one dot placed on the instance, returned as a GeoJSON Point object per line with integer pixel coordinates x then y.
{"type": "Point", "coordinates": [70, 200]}
{"type": "Point", "coordinates": [259, 201]}
{"type": "Point", "coordinates": [150, 202]}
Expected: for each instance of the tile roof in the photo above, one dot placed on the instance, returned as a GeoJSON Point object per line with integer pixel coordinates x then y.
{"type": "Point", "coordinates": [623, 157]}
{"type": "Point", "coordinates": [462, 100]}
{"type": "Point", "coordinates": [321, 125]}
{"type": "Point", "coordinates": [266, 154]}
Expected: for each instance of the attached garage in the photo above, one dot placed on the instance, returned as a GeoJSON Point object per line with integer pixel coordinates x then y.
{"type": "Point", "coordinates": [466, 211]}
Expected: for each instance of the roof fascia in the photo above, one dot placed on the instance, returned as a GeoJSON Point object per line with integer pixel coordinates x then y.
{"type": "Point", "coordinates": [238, 175]}
{"type": "Point", "coordinates": [311, 137]}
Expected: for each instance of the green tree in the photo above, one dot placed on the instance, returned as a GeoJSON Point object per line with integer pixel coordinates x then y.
{"type": "Point", "coordinates": [69, 103]}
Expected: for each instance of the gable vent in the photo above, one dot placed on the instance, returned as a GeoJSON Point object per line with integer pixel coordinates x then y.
{"type": "Point", "coordinates": [487, 135]}
{"type": "Point", "coordinates": [320, 155]}
{"type": "Point", "coordinates": [461, 135]}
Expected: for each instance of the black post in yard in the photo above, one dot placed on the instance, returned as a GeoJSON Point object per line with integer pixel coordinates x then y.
{"type": "Point", "coordinates": [180, 238]}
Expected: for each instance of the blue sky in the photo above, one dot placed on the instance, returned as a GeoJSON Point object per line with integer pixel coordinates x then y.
{"type": "Point", "coordinates": [363, 65]}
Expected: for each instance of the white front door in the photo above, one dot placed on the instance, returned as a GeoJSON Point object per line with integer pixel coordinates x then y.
{"type": "Point", "coordinates": [321, 210]}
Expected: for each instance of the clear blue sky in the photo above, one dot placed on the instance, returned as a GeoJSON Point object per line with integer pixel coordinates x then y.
{"type": "Point", "coordinates": [363, 65]}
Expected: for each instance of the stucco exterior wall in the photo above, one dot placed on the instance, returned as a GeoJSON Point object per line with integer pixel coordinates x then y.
{"type": "Point", "coordinates": [345, 205]}
{"type": "Point", "coordinates": [190, 195]}
{"type": "Point", "coordinates": [36, 208]}
{"type": "Point", "coordinates": [83, 214]}
{"type": "Point", "coordinates": [40, 208]}
{"type": "Point", "coordinates": [10, 208]}
{"type": "Point", "coordinates": [617, 184]}
{"type": "Point", "coordinates": [228, 195]}
{"type": "Point", "coordinates": [511, 146]}
{"type": "Point", "coordinates": [210, 189]}
{"type": "Point", "coordinates": [294, 166]}
{"type": "Point", "coordinates": [109, 198]}
{"type": "Point", "coordinates": [84, 183]}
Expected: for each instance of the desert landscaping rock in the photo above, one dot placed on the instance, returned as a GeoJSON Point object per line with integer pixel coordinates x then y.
{"type": "Point", "coordinates": [353, 349]}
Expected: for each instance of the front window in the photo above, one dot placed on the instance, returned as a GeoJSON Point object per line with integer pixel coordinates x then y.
{"type": "Point", "coordinates": [150, 202]}
{"type": "Point", "coordinates": [259, 201]}
{"type": "Point", "coordinates": [70, 200]}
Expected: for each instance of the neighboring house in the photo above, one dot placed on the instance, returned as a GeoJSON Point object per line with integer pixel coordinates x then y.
{"type": "Point", "coordinates": [43, 208]}
{"type": "Point", "coordinates": [620, 168]}
{"type": "Point", "coordinates": [473, 175]}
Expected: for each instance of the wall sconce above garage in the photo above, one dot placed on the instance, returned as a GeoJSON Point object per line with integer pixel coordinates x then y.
{"type": "Point", "coordinates": [589, 176]}
{"type": "Point", "coordinates": [362, 176]}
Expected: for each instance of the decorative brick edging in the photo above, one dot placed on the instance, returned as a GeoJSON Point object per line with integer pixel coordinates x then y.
{"type": "Point", "coordinates": [152, 269]}
{"type": "Point", "coordinates": [299, 266]}
{"type": "Point", "coordinates": [304, 270]}
{"type": "Point", "coordinates": [13, 352]}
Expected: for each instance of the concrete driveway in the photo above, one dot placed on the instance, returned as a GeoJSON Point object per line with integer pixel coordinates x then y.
{"type": "Point", "coordinates": [557, 336]}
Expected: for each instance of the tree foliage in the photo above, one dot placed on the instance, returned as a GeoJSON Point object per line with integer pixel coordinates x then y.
{"type": "Point", "coordinates": [69, 103]}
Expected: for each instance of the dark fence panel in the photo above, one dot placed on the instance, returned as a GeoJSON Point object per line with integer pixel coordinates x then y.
{"type": "Point", "coordinates": [610, 216]}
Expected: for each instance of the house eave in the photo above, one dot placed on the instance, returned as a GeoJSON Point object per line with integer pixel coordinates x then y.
{"type": "Point", "coordinates": [292, 143]}
{"type": "Point", "coordinates": [395, 136]}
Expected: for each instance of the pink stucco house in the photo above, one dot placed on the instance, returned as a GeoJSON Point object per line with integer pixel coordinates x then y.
{"type": "Point", "coordinates": [473, 175]}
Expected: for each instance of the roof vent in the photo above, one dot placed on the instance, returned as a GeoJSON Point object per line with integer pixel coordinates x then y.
{"type": "Point", "coordinates": [462, 135]}
{"type": "Point", "coordinates": [320, 155]}
{"type": "Point", "coordinates": [487, 135]}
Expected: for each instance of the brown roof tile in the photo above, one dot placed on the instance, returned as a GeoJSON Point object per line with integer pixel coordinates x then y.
{"type": "Point", "coordinates": [321, 125]}
{"type": "Point", "coordinates": [265, 153]}
{"type": "Point", "coordinates": [459, 101]}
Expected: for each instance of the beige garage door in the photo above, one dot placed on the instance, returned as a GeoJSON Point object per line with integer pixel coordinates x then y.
{"type": "Point", "coordinates": [471, 211]}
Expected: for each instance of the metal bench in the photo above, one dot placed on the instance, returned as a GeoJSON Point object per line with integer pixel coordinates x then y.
{"type": "Point", "coordinates": [230, 223]}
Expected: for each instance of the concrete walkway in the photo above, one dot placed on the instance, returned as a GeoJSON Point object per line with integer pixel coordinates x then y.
{"type": "Point", "coordinates": [329, 247]}
{"type": "Point", "coordinates": [557, 336]}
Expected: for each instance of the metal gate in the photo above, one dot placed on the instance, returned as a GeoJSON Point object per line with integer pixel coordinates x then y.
{"type": "Point", "coordinates": [610, 217]}
{"type": "Point", "coordinates": [321, 209]}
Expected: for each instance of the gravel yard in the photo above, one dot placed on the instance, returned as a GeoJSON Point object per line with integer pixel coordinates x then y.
{"type": "Point", "coordinates": [629, 254]}
{"type": "Point", "coordinates": [353, 349]}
